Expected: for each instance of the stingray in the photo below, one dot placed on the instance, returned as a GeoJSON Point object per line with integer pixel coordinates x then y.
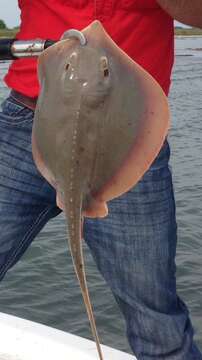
{"type": "Point", "coordinates": [99, 123]}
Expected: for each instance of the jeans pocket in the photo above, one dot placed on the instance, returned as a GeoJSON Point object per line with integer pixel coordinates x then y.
{"type": "Point", "coordinates": [14, 113]}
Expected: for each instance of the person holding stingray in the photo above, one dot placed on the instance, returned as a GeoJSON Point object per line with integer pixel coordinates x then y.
{"type": "Point", "coordinates": [141, 224]}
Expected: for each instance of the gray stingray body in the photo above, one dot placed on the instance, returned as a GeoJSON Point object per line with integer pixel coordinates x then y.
{"type": "Point", "coordinates": [89, 120]}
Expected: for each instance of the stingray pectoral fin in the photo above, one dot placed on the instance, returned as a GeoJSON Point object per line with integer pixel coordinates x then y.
{"type": "Point", "coordinates": [144, 120]}
{"type": "Point", "coordinates": [59, 201]}
{"type": "Point", "coordinates": [148, 141]}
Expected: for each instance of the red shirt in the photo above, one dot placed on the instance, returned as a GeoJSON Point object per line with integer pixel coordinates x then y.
{"type": "Point", "coordinates": [140, 27]}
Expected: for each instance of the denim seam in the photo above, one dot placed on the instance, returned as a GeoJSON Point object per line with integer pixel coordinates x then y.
{"type": "Point", "coordinates": [15, 122]}
{"type": "Point", "coordinates": [27, 235]}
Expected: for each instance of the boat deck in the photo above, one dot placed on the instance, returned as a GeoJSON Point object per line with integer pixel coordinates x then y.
{"type": "Point", "coordinates": [25, 340]}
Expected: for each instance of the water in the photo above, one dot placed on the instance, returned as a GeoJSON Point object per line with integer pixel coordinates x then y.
{"type": "Point", "coordinates": [42, 286]}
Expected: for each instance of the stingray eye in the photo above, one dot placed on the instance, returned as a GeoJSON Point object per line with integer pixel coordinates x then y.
{"type": "Point", "coordinates": [67, 66]}
{"type": "Point", "coordinates": [104, 66]}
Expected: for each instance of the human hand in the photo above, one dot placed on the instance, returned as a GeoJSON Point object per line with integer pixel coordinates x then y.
{"type": "Point", "coordinates": [95, 209]}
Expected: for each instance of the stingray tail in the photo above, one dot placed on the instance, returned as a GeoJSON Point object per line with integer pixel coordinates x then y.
{"type": "Point", "coordinates": [75, 223]}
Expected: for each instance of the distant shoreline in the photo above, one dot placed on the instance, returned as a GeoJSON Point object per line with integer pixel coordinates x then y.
{"type": "Point", "coordinates": [188, 32]}
{"type": "Point", "coordinates": [178, 32]}
{"type": "Point", "coordinates": [7, 33]}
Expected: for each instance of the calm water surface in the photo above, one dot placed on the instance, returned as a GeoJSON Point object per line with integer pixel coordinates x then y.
{"type": "Point", "coordinates": [42, 286]}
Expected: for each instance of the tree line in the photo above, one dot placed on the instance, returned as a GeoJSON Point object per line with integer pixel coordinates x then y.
{"type": "Point", "coordinates": [2, 24]}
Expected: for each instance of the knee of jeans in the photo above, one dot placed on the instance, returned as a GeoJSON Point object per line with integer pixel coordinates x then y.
{"type": "Point", "coordinates": [160, 337]}
{"type": "Point", "coordinates": [157, 333]}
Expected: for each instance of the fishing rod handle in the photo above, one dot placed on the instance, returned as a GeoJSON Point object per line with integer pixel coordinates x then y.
{"type": "Point", "coordinates": [11, 49]}
{"type": "Point", "coordinates": [5, 49]}
{"type": "Point", "coordinates": [14, 49]}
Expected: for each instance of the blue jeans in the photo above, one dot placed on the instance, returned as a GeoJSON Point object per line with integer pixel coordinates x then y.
{"type": "Point", "coordinates": [134, 247]}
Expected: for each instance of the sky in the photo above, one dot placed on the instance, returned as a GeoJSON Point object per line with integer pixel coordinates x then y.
{"type": "Point", "coordinates": [10, 14]}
